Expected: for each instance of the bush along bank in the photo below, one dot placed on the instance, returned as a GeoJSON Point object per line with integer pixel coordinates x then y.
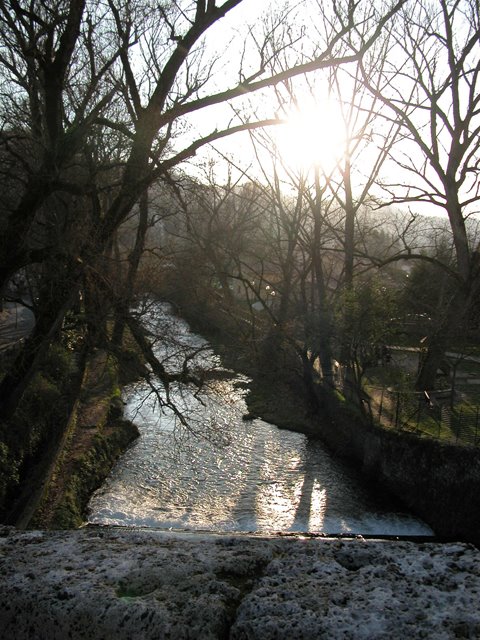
{"type": "Point", "coordinates": [96, 435]}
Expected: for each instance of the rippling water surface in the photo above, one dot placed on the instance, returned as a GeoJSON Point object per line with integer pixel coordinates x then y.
{"type": "Point", "coordinates": [223, 474]}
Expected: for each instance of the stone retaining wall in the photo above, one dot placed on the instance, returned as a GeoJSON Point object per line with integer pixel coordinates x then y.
{"type": "Point", "coordinates": [439, 482]}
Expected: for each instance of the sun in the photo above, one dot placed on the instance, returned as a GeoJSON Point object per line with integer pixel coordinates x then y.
{"type": "Point", "coordinates": [313, 135]}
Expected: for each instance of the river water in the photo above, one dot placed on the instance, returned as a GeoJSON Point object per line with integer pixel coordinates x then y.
{"type": "Point", "coordinates": [220, 473]}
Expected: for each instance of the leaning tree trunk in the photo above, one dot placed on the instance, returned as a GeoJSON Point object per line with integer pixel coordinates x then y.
{"type": "Point", "coordinates": [126, 296]}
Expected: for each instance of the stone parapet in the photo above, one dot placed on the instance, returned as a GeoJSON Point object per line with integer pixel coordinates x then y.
{"type": "Point", "coordinates": [104, 583]}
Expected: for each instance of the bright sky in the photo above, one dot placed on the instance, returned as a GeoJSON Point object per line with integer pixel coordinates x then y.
{"type": "Point", "coordinates": [315, 134]}
{"type": "Point", "coordinates": [296, 139]}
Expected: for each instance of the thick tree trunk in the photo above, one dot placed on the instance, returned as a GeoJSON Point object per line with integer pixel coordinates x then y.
{"type": "Point", "coordinates": [430, 362]}
{"type": "Point", "coordinates": [313, 401]}
{"type": "Point", "coordinates": [16, 381]}
{"type": "Point", "coordinates": [452, 324]}
{"type": "Point", "coordinates": [125, 299]}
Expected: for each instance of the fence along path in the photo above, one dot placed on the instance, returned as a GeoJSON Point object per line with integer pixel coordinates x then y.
{"type": "Point", "coordinates": [434, 415]}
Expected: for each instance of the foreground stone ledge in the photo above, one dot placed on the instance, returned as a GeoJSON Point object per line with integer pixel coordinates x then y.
{"type": "Point", "coordinates": [111, 583]}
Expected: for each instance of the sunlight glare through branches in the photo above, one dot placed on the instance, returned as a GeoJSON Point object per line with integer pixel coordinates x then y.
{"type": "Point", "coordinates": [315, 135]}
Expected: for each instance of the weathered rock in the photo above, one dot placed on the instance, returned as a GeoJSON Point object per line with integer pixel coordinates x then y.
{"type": "Point", "coordinates": [107, 583]}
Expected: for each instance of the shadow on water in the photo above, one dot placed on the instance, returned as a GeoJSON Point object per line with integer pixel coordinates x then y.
{"type": "Point", "coordinates": [313, 500]}
{"type": "Point", "coordinates": [245, 511]}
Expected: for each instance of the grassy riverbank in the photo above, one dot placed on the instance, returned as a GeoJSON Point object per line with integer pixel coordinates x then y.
{"type": "Point", "coordinates": [96, 435]}
{"type": "Point", "coordinates": [81, 433]}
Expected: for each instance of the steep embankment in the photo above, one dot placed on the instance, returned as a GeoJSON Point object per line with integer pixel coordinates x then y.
{"type": "Point", "coordinates": [438, 481]}
{"type": "Point", "coordinates": [94, 438]}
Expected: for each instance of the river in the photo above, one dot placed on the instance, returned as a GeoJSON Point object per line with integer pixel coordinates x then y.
{"type": "Point", "coordinates": [220, 473]}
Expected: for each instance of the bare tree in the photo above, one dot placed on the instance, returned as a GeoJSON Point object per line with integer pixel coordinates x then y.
{"type": "Point", "coordinates": [430, 85]}
{"type": "Point", "coordinates": [53, 75]}
{"type": "Point", "coordinates": [169, 87]}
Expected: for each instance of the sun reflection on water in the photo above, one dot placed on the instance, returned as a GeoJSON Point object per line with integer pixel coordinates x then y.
{"type": "Point", "coordinates": [318, 507]}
